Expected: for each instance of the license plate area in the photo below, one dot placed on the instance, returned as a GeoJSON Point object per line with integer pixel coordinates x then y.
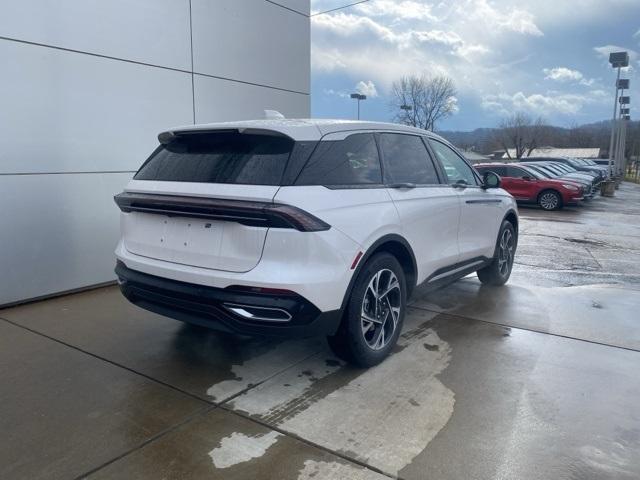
{"type": "Point", "coordinates": [196, 242]}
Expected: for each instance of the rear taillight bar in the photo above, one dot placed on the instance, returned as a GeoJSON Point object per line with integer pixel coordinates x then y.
{"type": "Point", "coordinates": [261, 214]}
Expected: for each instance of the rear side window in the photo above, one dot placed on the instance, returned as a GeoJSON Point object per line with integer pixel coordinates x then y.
{"type": "Point", "coordinates": [406, 160]}
{"type": "Point", "coordinates": [515, 172]}
{"type": "Point", "coordinates": [228, 157]}
{"type": "Point", "coordinates": [352, 161]}
{"type": "Point", "coordinates": [502, 171]}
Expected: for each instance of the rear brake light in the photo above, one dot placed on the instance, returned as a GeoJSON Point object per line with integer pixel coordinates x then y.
{"type": "Point", "coordinates": [261, 214]}
{"type": "Point", "coordinates": [298, 218]}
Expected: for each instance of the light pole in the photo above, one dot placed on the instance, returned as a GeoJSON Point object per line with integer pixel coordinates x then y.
{"type": "Point", "coordinates": [623, 145]}
{"type": "Point", "coordinates": [624, 113]}
{"type": "Point", "coordinates": [358, 97]}
{"type": "Point", "coordinates": [617, 60]}
{"type": "Point", "coordinates": [623, 84]}
{"type": "Point", "coordinates": [621, 135]}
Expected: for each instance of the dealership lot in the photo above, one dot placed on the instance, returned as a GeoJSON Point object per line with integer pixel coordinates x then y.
{"type": "Point", "coordinates": [537, 379]}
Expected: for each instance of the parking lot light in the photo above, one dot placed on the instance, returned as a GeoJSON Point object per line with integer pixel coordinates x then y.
{"type": "Point", "coordinates": [358, 97]}
{"type": "Point", "coordinates": [617, 60]}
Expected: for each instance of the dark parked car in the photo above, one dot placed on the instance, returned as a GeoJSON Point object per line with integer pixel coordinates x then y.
{"type": "Point", "coordinates": [591, 163]}
{"type": "Point", "coordinates": [572, 162]}
{"type": "Point", "coordinates": [603, 162]}
{"type": "Point", "coordinates": [588, 180]}
{"type": "Point", "coordinates": [529, 186]}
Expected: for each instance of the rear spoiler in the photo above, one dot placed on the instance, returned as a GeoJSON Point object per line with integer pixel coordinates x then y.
{"type": "Point", "coordinates": [167, 137]}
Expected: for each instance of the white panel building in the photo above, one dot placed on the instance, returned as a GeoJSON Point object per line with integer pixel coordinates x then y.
{"type": "Point", "coordinates": [85, 87]}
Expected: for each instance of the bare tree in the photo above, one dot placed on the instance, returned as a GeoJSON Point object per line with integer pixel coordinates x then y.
{"type": "Point", "coordinates": [429, 99]}
{"type": "Point", "coordinates": [522, 134]}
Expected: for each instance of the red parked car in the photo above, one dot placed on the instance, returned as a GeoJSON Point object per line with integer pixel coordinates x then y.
{"type": "Point", "coordinates": [528, 186]}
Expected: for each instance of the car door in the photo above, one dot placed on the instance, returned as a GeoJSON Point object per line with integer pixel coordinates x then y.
{"type": "Point", "coordinates": [523, 185]}
{"type": "Point", "coordinates": [480, 209]}
{"type": "Point", "coordinates": [429, 209]}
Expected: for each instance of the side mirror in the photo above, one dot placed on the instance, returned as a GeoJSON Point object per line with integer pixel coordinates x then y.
{"type": "Point", "coordinates": [490, 180]}
{"type": "Point", "coordinates": [527, 178]}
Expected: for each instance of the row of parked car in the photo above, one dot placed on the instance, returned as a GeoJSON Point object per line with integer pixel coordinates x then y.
{"type": "Point", "coordinates": [550, 182]}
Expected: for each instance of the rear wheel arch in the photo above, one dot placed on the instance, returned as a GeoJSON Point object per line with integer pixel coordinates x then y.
{"type": "Point", "coordinates": [398, 247]}
{"type": "Point", "coordinates": [512, 217]}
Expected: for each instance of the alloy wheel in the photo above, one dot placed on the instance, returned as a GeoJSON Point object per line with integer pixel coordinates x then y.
{"type": "Point", "coordinates": [505, 253]}
{"type": "Point", "coordinates": [380, 309]}
{"type": "Point", "coordinates": [549, 201]}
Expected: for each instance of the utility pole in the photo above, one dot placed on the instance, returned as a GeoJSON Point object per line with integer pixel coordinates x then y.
{"type": "Point", "coordinates": [358, 97]}
{"type": "Point", "coordinates": [617, 60]}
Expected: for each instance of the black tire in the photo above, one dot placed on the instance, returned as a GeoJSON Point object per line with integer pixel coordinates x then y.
{"type": "Point", "coordinates": [495, 273]}
{"type": "Point", "coordinates": [367, 343]}
{"type": "Point", "coordinates": [550, 200]}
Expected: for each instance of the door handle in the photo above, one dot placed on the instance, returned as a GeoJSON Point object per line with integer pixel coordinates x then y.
{"type": "Point", "coordinates": [484, 202]}
{"type": "Point", "coordinates": [402, 185]}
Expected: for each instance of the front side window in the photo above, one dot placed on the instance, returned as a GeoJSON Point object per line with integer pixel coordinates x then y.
{"type": "Point", "coordinates": [219, 157]}
{"type": "Point", "coordinates": [352, 161]}
{"type": "Point", "coordinates": [406, 160]}
{"type": "Point", "coordinates": [456, 169]}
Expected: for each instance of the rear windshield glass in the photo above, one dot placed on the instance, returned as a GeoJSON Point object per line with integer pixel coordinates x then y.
{"type": "Point", "coordinates": [228, 157]}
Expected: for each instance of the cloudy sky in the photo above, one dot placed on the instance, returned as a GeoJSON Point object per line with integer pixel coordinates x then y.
{"type": "Point", "coordinates": [544, 57]}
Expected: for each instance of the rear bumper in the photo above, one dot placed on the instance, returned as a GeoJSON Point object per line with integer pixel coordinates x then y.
{"type": "Point", "coordinates": [210, 306]}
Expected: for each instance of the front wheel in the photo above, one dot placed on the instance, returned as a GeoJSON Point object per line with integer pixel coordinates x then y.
{"type": "Point", "coordinates": [550, 200]}
{"type": "Point", "coordinates": [499, 270]}
{"type": "Point", "coordinates": [374, 315]}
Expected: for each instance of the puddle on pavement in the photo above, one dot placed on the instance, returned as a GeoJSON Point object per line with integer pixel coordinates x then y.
{"type": "Point", "coordinates": [239, 448]}
{"type": "Point", "coordinates": [251, 371]}
{"type": "Point", "coordinates": [383, 416]}
{"type": "Point", "coordinates": [314, 470]}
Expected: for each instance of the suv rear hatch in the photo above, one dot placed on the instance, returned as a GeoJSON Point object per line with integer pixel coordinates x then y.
{"type": "Point", "coordinates": [203, 198]}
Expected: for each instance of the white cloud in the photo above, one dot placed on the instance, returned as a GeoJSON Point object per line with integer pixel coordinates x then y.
{"type": "Point", "coordinates": [367, 88]}
{"type": "Point", "coordinates": [453, 103]}
{"type": "Point", "coordinates": [407, 9]}
{"type": "Point", "coordinates": [382, 40]}
{"type": "Point", "coordinates": [521, 22]}
{"type": "Point", "coordinates": [564, 74]}
{"type": "Point", "coordinates": [336, 93]}
{"type": "Point", "coordinates": [485, 46]}
{"type": "Point", "coordinates": [549, 103]}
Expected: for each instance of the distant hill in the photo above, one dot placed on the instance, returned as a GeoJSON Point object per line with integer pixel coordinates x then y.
{"type": "Point", "coordinates": [595, 134]}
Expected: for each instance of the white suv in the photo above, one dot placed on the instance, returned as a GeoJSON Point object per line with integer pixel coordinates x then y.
{"type": "Point", "coordinates": [307, 227]}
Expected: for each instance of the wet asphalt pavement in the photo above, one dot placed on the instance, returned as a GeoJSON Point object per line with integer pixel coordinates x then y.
{"type": "Point", "coordinates": [537, 379]}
